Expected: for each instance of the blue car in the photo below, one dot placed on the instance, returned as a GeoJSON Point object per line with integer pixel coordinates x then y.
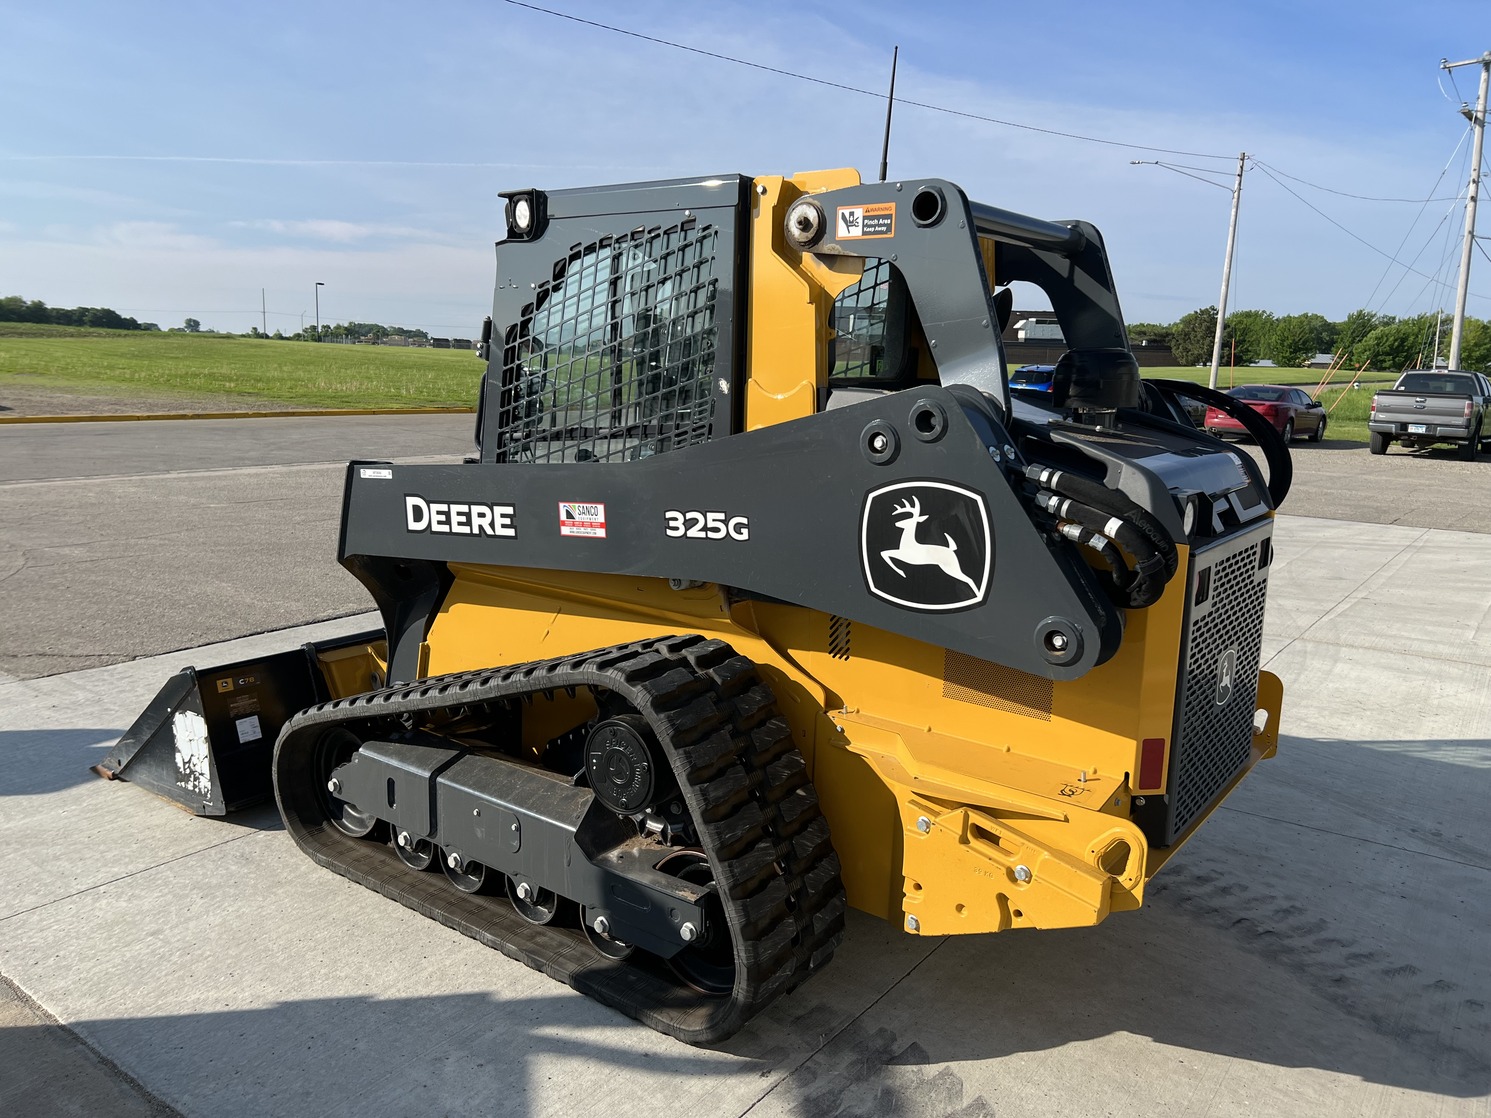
{"type": "Point", "coordinates": [1033, 378]}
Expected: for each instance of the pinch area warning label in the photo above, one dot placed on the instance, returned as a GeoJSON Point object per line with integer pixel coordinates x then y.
{"type": "Point", "coordinates": [579, 518]}
{"type": "Point", "coordinates": [878, 220]}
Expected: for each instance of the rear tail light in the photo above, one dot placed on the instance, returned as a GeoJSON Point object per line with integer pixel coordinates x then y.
{"type": "Point", "coordinates": [1151, 764]}
{"type": "Point", "coordinates": [1468, 406]}
{"type": "Point", "coordinates": [1374, 405]}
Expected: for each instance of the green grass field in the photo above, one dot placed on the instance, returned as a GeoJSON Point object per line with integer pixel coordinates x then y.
{"type": "Point", "coordinates": [116, 363]}
{"type": "Point", "coordinates": [122, 363]}
{"type": "Point", "coordinates": [1346, 407]}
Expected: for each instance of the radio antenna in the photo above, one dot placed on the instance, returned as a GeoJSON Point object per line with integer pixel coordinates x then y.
{"type": "Point", "coordinates": [890, 103]}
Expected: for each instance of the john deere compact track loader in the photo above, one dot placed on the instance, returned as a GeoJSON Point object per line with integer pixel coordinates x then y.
{"type": "Point", "coordinates": [762, 595]}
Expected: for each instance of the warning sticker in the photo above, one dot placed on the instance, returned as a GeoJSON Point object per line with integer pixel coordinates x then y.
{"type": "Point", "coordinates": [380, 474]}
{"type": "Point", "coordinates": [878, 220]}
{"type": "Point", "coordinates": [248, 729]}
{"type": "Point", "coordinates": [580, 518]}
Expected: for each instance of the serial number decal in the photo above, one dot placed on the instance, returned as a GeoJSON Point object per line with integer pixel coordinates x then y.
{"type": "Point", "coordinates": [691, 525]}
{"type": "Point", "coordinates": [457, 518]}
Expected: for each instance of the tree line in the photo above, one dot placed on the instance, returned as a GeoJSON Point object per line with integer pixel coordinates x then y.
{"type": "Point", "coordinates": [13, 308]}
{"type": "Point", "coordinates": [1362, 340]}
{"type": "Point", "coordinates": [373, 332]}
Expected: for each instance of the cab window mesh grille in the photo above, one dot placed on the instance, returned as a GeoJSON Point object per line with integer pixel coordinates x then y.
{"type": "Point", "coordinates": [615, 357]}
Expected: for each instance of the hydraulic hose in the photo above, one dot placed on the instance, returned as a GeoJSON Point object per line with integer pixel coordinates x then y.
{"type": "Point", "coordinates": [1098, 530]}
{"type": "Point", "coordinates": [1275, 449]}
{"type": "Point", "coordinates": [1115, 503]}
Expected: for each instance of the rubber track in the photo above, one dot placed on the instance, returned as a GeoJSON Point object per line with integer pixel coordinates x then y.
{"type": "Point", "coordinates": [744, 782]}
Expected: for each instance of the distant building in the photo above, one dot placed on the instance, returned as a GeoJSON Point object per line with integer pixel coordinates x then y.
{"type": "Point", "coordinates": [1037, 330]}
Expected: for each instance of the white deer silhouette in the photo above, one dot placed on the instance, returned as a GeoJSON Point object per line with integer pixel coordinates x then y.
{"type": "Point", "coordinates": [915, 554]}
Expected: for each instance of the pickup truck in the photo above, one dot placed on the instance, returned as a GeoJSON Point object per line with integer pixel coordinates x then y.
{"type": "Point", "coordinates": [1430, 406]}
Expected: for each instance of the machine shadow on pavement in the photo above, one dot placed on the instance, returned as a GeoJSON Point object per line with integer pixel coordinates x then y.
{"type": "Point", "coordinates": [447, 1054]}
{"type": "Point", "coordinates": [35, 762]}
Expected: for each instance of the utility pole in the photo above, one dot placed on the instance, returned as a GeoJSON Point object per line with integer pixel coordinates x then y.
{"type": "Point", "coordinates": [1478, 126]}
{"type": "Point", "coordinates": [1216, 347]}
{"type": "Point", "coordinates": [263, 314]}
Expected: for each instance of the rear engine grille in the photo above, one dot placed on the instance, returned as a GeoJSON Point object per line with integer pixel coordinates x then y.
{"type": "Point", "coordinates": [1219, 689]}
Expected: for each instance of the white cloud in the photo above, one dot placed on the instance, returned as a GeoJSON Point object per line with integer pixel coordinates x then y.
{"type": "Point", "coordinates": [340, 232]}
{"type": "Point", "coordinates": [153, 236]}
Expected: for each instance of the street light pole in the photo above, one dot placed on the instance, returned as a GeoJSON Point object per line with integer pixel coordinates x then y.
{"type": "Point", "coordinates": [320, 285]}
{"type": "Point", "coordinates": [1216, 347]}
{"type": "Point", "coordinates": [1478, 125]}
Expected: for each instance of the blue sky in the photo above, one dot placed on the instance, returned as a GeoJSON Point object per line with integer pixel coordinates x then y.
{"type": "Point", "coordinates": [172, 160]}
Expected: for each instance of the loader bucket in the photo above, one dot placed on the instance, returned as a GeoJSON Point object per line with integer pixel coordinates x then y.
{"type": "Point", "coordinates": [207, 738]}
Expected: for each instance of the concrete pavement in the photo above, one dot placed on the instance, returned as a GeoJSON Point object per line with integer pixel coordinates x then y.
{"type": "Point", "coordinates": [1319, 949]}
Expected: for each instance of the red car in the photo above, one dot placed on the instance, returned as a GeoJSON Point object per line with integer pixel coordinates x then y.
{"type": "Point", "coordinates": [1290, 410]}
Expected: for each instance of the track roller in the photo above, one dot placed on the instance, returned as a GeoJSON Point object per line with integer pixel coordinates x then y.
{"type": "Point", "coordinates": [468, 877]}
{"type": "Point", "coordinates": [416, 853]}
{"type": "Point", "coordinates": [597, 931]}
{"type": "Point", "coordinates": [535, 905]}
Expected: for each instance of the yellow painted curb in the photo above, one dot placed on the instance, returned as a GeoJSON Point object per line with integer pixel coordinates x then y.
{"type": "Point", "coordinates": [289, 413]}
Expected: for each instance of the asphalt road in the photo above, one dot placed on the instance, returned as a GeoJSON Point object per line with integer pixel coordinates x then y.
{"type": "Point", "coordinates": [1338, 480]}
{"type": "Point", "coordinates": [120, 540]}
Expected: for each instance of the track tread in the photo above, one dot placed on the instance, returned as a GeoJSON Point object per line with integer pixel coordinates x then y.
{"type": "Point", "coordinates": [738, 770]}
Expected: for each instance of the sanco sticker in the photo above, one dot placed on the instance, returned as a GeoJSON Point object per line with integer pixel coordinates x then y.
{"type": "Point", "coordinates": [582, 518]}
{"type": "Point", "coordinates": [878, 220]}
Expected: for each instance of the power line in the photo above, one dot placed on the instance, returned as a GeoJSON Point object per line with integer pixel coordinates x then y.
{"type": "Point", "coordinates": [1345, 194]}
{"type": "Point", "coordinates": [856, 89]}
{"type": "Point", "coordinates": [1176, 167]}
{"type": "Point", "coordinates": [1338, 225]}
{"type": "Point", "coordinates": [1460, 143]}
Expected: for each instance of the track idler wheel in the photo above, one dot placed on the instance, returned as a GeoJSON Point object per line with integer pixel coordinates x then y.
{"type": "Point", "coordinates": [707, 964]}
{"type": "Point", "coordinates": [333, 750]}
